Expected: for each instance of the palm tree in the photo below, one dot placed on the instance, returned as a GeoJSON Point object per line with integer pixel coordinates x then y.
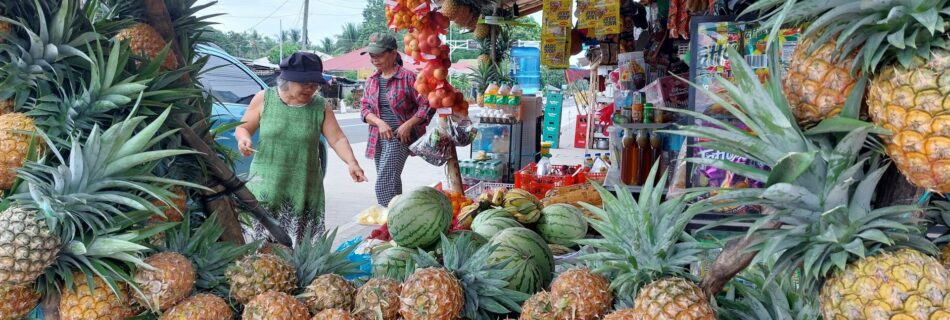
{"type": "Point", "coordinates": [349, 40]}
{"type": "Point", "coordinates": [327, 46]}
{"type": "Point", "coordinates": [293, 35]}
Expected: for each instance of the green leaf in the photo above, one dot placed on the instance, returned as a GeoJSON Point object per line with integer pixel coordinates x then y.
{"type": "Point", "coordinates": [896, 38]}
{"type": "Point", "coordinates": [840, 259]}
{"type": "Point", "coordinates": [875, 235]}
{"type": "Point", "coordinates": [852, 106]}
{"type": "Point", "coordinates": [856, 247]}
{"type": "Point", "coordinates": [790, 167]}
{"type": "Point", "coordinates": [793, 195]}
{"type": "Point", "coordinates": [843, 125]}
{"type": "Point", "coordinates": [929, 19]}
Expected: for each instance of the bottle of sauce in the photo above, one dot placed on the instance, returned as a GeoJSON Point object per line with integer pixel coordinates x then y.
{"type": "Point", "coordinates": [646, 156]}
{"type": "Point", "coordinates": [629, 160]}
{"type": "Point", "coordinates": [656, 147]}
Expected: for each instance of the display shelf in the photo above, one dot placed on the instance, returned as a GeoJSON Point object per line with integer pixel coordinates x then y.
{"type": "Point", "coordinates": [650, 126]}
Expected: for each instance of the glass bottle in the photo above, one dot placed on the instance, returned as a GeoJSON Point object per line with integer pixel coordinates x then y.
{"type": "Point", "coordinates": [629, 160]}
{"type": "Point", "coordinates": [646, 160]}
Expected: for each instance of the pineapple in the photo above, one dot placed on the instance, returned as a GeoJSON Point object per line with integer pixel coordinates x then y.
{"type": "Point", "coordinates": [170, 282]}
{"type": "Point", "coordinates": [624, 314]}
{"type": "Point", "coordinates": [201, 306]}
{"type": "Point", "coordinates": [482, 31]}
{"type": "Point", "coordinates": [942, 215]}
{"type": "Point", "coordinates": [879, 268]}
{"type": "Point", "coordinates": [760, 298]}
{"type": "Point", "coordinates": [907, 74]}
{"type": "Point", "coordinates": [274, 305]}
{"type": "Point", "coordinates": [329, 291]}
{"type": "Point", "coordinates": [582, 295]}
{"type": "Point", "coordinates": [333, 314]}
{"type": "Point", "coordinates": [378, 295]}
{"type": "Point", "coordinates": [147, 41]}
{"type": "Point", "coordinates": [465, 286]}
{"type": "Point", "coordinates": [6, 106]}
{"type": "Point", "coordinates": [462, 12]}
{"type": "Point", "coordinates": [15, 140]}
{"type": "Point", "coordinates": [43, 246]}
{"type": "Point", "coordinates": [653, 269]}
{"type": "Point", "coordinates": [540, 306]}
{"type": "Point", "coordinates": [94, 301]}
{"type": "Point", "coordinates": [18, 301]}
{"type": "Point", "coordinates": [259, 273]}
{"type": "Point", "coordinates": [172, 211]}
{"type": "Point", "coordinates": [817, 84]}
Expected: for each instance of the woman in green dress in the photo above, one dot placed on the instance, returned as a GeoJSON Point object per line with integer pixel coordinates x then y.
{"type": "Point", "coordinates": [286, 172]}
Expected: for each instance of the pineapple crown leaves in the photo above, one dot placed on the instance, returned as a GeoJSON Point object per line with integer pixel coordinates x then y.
{"type": "Point", "coordinates": [315, 257]}
{"type": "Point", "coordinates": [879, 32]}
{"type": "Point", "coordinates": [483, 280]}
{"type": "Point", "coordinates": [658, 245]}
{"type": "Point", "coordinates": [210, 256]}
{"type": "Point", "coordinates": [102, 178]}
{"type": "Point", "coordinates": [820, 187]}
{"type": "Point", "coordinates": [758, 299]}
{"type": "Point", "coordinates": [940, 213]}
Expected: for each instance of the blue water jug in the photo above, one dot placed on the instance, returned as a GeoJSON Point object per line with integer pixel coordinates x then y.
{"type": "Point", "coordinates": [527, 64]}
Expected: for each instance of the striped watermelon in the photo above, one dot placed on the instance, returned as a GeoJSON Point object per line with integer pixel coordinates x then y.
{"type": "Point", "coordinates": [529, 244]}
{"type": "Point", "coordinates": [489, 227]}
{"type": "Point", "coordinates": [418, 218]}
{"type": "Point", "coordinates": [391, 262]}
{"type": "Point", "coordinates": [492, 213]}
{"type": "Point", "coordinates": [562, 224]}
{"type": "Point", "coordinates": [527, 276]}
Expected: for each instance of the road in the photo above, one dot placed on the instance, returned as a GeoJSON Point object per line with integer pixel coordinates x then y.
{"type": "Point", "coordinates": [356, 131]}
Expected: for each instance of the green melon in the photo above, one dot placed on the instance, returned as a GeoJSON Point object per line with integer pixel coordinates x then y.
{"type": "Point", "coordinates": [528, 244]}
{"type": "Point", "coordinates": [490, 227]}
{"type": "Point", "coordinates": [562, 224]}
{"type": "Point", "coordinates": [527, 276]}
{"type": "Point", "coordinates": [491, 214]}
{"type": "Point", "coordinates": [391, 263]}
{"type": "Point", "coordinates": [418, 218]}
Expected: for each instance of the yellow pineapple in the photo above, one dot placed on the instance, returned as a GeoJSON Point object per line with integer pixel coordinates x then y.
{"type": "Point", "coordinates": [333, 314]}
{"type": "Point", "coordinates": [945, 256]}
{"type": "Point", "coordinates": [624, 314]}
{"type": "Point", "coordinates": [482, 31]}
{"type": "Point", "coordinates": [170, 282]}
{"type": "Point", "coordinates": [173, 212]}
{"type": "Point", "coordinates": [274, 305]}
{"type": "Point", "coordinates": [32, 236]}
{"type": "Point", "coordinates": [6, 106]}
{"type": "Point", "coordinates": [259, 273]}
{"type": "Point", "coordinates": [18, 301]}
{"type": "Point", "coordinates": [912, 103]}
{"type": "Point", "coordinates": [817, 84]}
{"type": "Point", "coordinates": [431, 294]}
{"type": "Point", "coordinates": [329, 291]}
{"type": "Point", "coordinates": [540, 306]}
{"type": "Point", "coordinates": [582, 294]}
{"type": "Point", "coordinates": [145, 40]}
{"type": "Point", "coordinates": [201, 306]}
{"type": "Point", "coordinates": [15, 137]}
{"type": "Point", "coordinates": [673, 298]}
{"type": "Point", "coordinates": [378, 295]}
{"type": "Point", "coordinates": [95, 301]}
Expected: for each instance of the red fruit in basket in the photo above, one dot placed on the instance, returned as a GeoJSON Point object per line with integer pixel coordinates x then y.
{"type": "Point", "coordinates": [433, 40]}
{"type": "Point", "coordinates": [421, 88]}
{"type": "Point", "coordinates": [448, 100]}
{"type": "Point", "coordinates": [434, 100]}
{"type": "Point", "coordinates": [439, 73]}
{"type": "Point", "coordinates": [424, 46]}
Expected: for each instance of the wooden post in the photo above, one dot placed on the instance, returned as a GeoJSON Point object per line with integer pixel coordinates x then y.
{"type": "Point", "coordinates": [452, 173]}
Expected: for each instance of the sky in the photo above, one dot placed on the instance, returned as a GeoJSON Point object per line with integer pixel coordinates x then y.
{"type": "Point", "coordinates": [326, 16]}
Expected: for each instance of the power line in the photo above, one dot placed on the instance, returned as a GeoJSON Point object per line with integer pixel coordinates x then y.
{"type": "Point", "coordinates": [268, 16]}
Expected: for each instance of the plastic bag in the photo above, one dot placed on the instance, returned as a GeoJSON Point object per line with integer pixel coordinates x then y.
{"type": "Point", "coordinates": [463, 130]}
{"type": "Point", "coordinates": [434, 147]}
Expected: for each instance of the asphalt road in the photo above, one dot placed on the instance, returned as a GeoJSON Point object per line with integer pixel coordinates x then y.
{"type": "Point", "coordinates": [356, 131]}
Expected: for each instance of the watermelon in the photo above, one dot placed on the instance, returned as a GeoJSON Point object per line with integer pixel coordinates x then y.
{"type": "Point", "coordinates": [492, 213]}
{"type": "Point", "coordinates": [527, 276]}
{"type": "Point", "coordinates": [529, 244]}
{"type": "Point", "coordinates": [489, 227]}
{"type": "Point", "coordinates": [391, 262]}
{"type": "Point", "coordinates": [562, 224]}
{"type": "Point", "coordinates": [419, 218]}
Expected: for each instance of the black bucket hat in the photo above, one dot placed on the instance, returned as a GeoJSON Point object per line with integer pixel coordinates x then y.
{"type": "Point", "coordinates": [302, 67]}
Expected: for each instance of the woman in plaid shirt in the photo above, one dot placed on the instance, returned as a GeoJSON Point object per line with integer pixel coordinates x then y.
{"type": "Point", "coordinates": [397, 115]}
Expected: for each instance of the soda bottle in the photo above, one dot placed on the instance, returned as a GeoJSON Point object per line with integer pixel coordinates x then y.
{"type": "Point", "coordinates": [490, 93]}
{"type": "Point", "coordinates": [588, 161]}
{"type": "Point", "coordinates": [501, 98]}
{"type": "Point", "coordinates": [514, 100]}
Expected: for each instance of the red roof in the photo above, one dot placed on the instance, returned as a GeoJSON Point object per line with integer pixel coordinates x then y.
{"type": "Point", "coordinates": [353, 61]}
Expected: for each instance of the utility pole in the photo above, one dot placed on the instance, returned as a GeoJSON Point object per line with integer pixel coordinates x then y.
{"type": "Point", "coordinates": [306, 14]}
{"type": "Point", "coordinates": [281, 40]}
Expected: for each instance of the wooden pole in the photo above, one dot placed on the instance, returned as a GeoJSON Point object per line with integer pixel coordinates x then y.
{"type": "Point", "coordinates": [452, 173]}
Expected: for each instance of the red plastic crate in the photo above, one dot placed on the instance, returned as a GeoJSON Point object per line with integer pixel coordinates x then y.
{"type": "Point", "coordinates": [527, 179]}
{"type": "Point", "coordinates": [580, 132]}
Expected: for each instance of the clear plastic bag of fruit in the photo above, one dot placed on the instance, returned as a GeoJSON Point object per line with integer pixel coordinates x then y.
{"type": "Point", "coordinates": [462, 130]}
{"type": "Point", "coordinates": [435, 146]}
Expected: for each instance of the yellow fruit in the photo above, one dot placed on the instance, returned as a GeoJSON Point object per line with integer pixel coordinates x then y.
{"type": "Point", "coordinates": [169, 283]}
{"type": "Point", "coordinates": [913, 105]}
{"type": "Point", "coordinates": [259, 273]}
{"type": "Point", "coordinates": [817, 86]}
{"type": "Point", "coordinates": [333, 314]}
{"type": "Point", "coordinates": [6, 106]}
{"type": "Point", "coordinates": [15, 137]}
{"type": "Point", "coordinates": [273, 305]}
{"type": "Point", "coordinates": [945, 256]}
{"type": "Point", "coordinates": [583, 294]}
{"type": "Point", "coordinates": [174, 212]}
{"type": "Point", "coordinates": [329, 291]}
{"type": "Point", "coordinates": [540, 306]}
{"type": "Point", "coordinates": [201, 306]}
{"type": "Point", "coordinates": [484, 59]}
{"type": "Point", "coordinates": [27, 247]}
{"type": "Point", "coordinates": [905, 284]}
{"type": "Point", "coordinates": [482, 31]}
{"type": "Point", "coordinates": [145, 40]}
{"type": "Point", "coordinates": [673, 298]}
{"type": "Point", "coordinates": [18, 301]}
{"type": "Point", "coordinates": [378, 294]}
{"type": "Point", "coordinates": [625, 314]}
{"type": "Point", "coordinates": [431, 294]}
{"type": "Point", "coordinates": [99, 304]}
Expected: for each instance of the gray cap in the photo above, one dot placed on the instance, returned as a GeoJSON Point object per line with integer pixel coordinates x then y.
{"type": "Point", "coordinates": [381, 42]}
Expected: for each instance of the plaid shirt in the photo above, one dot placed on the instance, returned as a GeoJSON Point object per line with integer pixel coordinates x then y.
{"type": "Point", "coordinates": [403, 99]}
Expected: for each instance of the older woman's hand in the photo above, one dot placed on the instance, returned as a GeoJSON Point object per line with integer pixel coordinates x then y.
{"type": "Point", "coordinates": [357, 173]}
{"type": "Point", "coordinates": [385, 131]}
{"type": "Point", "coordinates": [245, 146]}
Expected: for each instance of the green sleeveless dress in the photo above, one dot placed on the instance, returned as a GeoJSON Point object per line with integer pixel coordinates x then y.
{"type": "Point", "coordinates": [286, 173]}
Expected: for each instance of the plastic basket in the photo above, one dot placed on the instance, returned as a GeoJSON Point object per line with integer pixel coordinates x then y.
{"type": "Point", "coordinates": [527, 179]}
{"type": "Point", "coordinates": [478, 188]}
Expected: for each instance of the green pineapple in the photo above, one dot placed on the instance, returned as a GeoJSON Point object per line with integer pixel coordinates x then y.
{"type": "Point", "coordinates": [820, 189]}
{"type": "Point", "coordinates": [650, 263]}
{"type": "Point", "coordinates": [465, 286]}
{"type": "Point", "coordinates": [758, 299]}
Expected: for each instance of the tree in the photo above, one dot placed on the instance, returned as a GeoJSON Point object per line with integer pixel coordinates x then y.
{"type": "Point", "coordinates": [274, 54]}
{"type": "Point", "coordinates": [349, 39]}
{"type": "Point", "coordinates": [374, 20]}
{"type": "Point", "coordinates": [293, 35]}
{"type": "Point", "coordinates": [530, 31]}
{"type": "Point", "coordinates": [327, 46]}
